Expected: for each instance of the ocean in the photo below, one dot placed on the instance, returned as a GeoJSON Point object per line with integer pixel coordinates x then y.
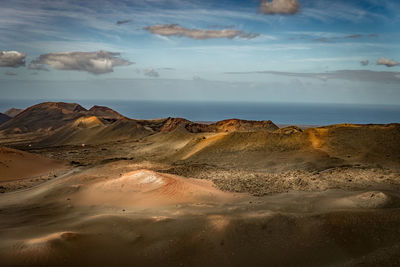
{"type": "Point", "coordinates": [279, 113]}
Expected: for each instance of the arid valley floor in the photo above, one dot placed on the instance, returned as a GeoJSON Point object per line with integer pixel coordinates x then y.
{"type": "Point", "coordinates": [94, 188]}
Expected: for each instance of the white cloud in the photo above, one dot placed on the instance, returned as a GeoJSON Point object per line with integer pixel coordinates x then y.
{"type": "Point", "coordinates": [98, 62]}
{"type": "Point", "coordinates": [387, 62]}
{"type": "Point", "coordinates": [12, 59]}
{"type": "Point", "coordinates": [279, 6]}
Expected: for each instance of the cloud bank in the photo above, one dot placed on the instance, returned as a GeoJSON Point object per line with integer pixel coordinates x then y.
{"type": "Point", "coordinates": [12, 59]}
{"type": "Point", "coordinates": [98, 62]}
{"type": "Point", "coordinates": [351, 75]}
{"type": "Point", "coordinates": [177, 30]}
{"type": "Point", "coordinates": [279, 7]}
{"type": "Point", "coordinates": [387, 62]}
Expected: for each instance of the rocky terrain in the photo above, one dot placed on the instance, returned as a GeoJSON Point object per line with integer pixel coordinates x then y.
{"type": "Point", "coordinates": [76, 183]}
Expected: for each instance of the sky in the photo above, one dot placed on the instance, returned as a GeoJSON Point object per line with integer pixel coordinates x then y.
{"type": "Point", "coordinates": [305, 51]}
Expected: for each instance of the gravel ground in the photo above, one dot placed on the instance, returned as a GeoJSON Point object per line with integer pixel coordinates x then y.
{"type": "Point", "coordinates": [259, 183]}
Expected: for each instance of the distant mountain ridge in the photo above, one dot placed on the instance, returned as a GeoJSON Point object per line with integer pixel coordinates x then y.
{"type": "Point", "coordinates": [57, 124]}
{"type": "Point", "coordinates": [50, 116]}
{"type": "Point", "coordinates": [12, 112]}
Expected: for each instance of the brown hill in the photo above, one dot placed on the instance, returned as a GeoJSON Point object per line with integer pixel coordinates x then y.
{"type": "Point", "coordinates": [92, 130]}
{"type": "Point", "coordinates": [292, 148]}
{"type": "Point", "coordinates": [12, 112]}
{"type": "Point", "coordinates": [61, 123]}
{"type": "Point", "coordinates": [4, 118]}
{"type": "Point", "coordinates": [372, 144]}
{"type": "Point", "coordinates": [50, 116]}
{"type": "Point", "coordinates": [104, 112]}
{"type": "Point", "coordinates": [230, 143]}
{"type": "Point", "coordinates": [16, 164]}
{"type": "Point", "coordinates": [44, 117]}
{"type": "Point", "coordinates": [171, 124]}
{"type": "Point", "coordinates": [232, 125]}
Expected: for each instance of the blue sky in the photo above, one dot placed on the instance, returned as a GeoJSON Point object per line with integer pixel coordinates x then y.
{"type": "Point", "coordinates": [280, 51]}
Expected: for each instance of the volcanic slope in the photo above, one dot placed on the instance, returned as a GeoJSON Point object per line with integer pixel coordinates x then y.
{"type": "Point", "coordinates": [314, 148]}
{"type": "Point", "coordinates": [16, 164]}
{"type": "Point", "coordinates": [4, 118]}
{"type": "Point", "coordinates": [43, 117]}
{"type": "Point", "coordinates": [249, 145]}
{"type": "Point", "coordinates": [124, 214]}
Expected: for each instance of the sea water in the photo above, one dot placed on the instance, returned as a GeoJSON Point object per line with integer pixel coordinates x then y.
{"type": "Point", "coordinates": [279, 113]}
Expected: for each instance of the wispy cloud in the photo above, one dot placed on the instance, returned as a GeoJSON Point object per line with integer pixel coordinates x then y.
{"type": "Point", "coordinates": [98, 62]}
{"type": "Point", "coordinates": [330, 39]}
{"type": "Point", "coordinates": [353, 36]}
{"type": "Point", "coordinates": [322, 40]}
{"type": "Point", "coordinates": [12, 59]}
{"type": "Point", "coordinates": [200, 34]}
{"type": "Point", "coordinates": [245, 48]}
{"type": "Point", "coordinates": [329, 11]}
{"type": "Point", "coordinates": [217, 26]}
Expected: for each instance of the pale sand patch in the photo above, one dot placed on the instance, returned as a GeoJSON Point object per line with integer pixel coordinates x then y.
{"type": "Point", "coordinates": [146, 188]}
